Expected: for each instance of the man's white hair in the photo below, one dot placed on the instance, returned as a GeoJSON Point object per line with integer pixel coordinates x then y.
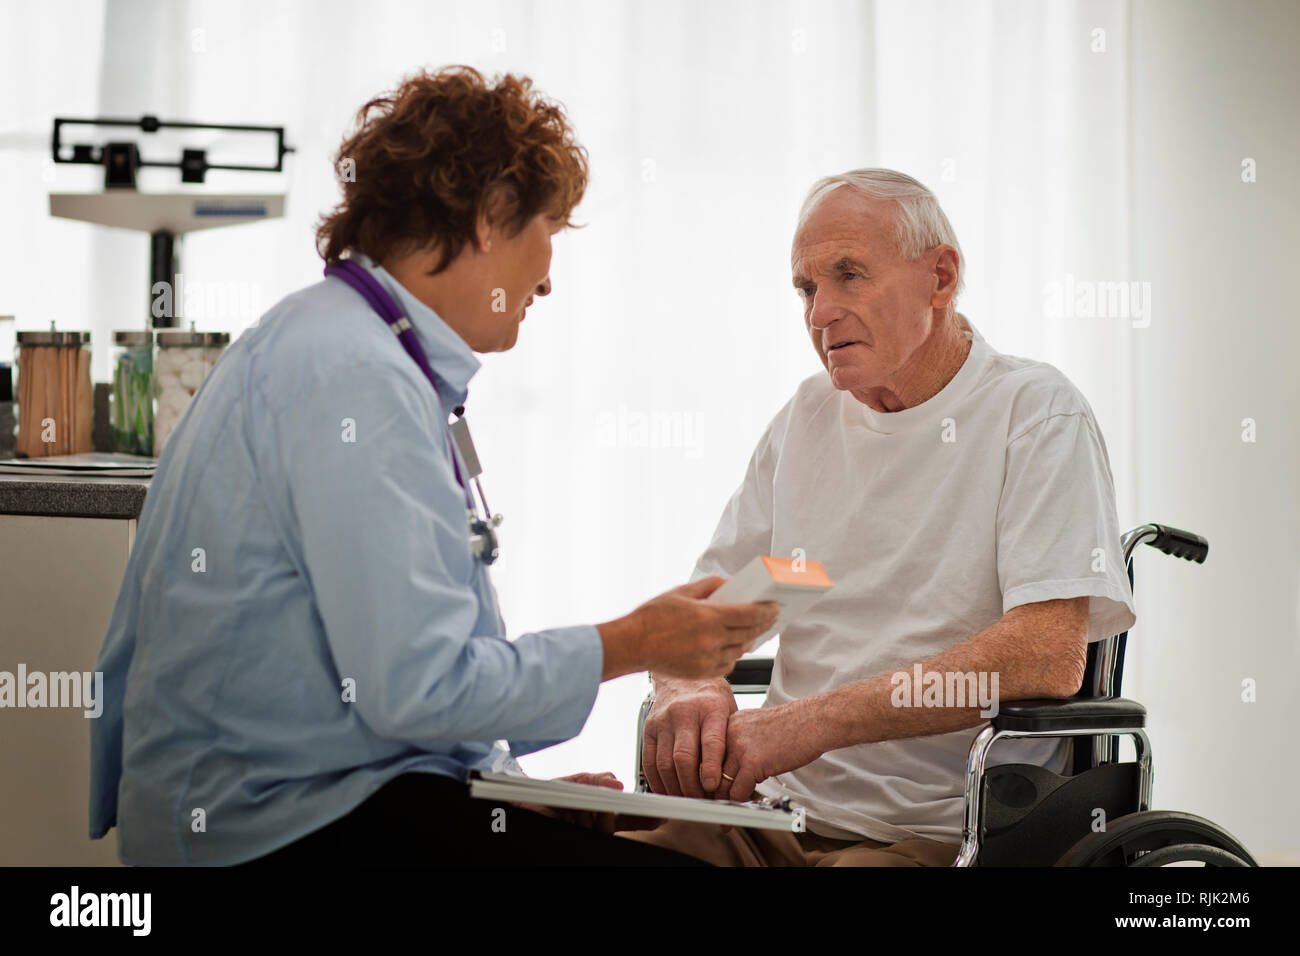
{"type": "Point", "coordinates": [921, 222]}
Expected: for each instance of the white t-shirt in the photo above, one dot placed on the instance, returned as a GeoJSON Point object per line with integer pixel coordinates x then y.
{"type": "Point", "coordinates": [933, 522]}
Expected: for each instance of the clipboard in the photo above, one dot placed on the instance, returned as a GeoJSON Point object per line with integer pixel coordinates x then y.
{"type": "Point", "coordinates": [516, 788]}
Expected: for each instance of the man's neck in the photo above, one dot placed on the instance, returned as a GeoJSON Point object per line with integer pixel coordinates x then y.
{"type": "Point", "coordinates": [933, 367]}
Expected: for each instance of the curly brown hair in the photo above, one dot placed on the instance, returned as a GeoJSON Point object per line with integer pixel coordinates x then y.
{"type": "Point", "coordinates": [428, 158]}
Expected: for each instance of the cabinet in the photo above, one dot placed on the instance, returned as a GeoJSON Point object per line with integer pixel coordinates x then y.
{"type": "Point", "coordinates": [58, 583]}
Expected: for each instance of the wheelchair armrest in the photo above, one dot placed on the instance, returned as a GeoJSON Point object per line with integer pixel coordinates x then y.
{"type": "Point", "coordinates": [1076, 713]}
{"type": "Point", "coordinates": [751, 675]}
{"type": "Point", "coordinates": [754, 675]}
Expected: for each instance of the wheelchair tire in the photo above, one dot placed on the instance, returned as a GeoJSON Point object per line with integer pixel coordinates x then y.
{"type": "Point", "coordinates": [1189, 853]}
{"type": "Point", "coordinates": [1169, 835]}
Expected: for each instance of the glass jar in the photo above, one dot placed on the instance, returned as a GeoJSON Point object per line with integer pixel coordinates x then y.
{"type": "Point", "coordinates": [55, 398]}
{"type": "Point", "coordinates": [133, 393]}
{"type": "Point", "coordinates": [183, 362]}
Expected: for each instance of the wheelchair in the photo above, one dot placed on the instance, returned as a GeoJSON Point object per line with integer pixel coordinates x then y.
{"type": "Point", "coordinates": [1026, 815]}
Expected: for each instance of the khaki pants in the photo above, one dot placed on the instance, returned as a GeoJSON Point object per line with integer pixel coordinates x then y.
{"type": "Point", "coordinates": [752, 847]}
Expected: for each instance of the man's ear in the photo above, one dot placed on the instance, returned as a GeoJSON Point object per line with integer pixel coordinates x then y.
{"type": "Point", "coordinates": [946, 268]}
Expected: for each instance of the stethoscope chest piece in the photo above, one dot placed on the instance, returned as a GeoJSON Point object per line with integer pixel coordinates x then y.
{"type": "Point", "coordinates": [483, 537]}
{"type": "Point", "coordinates": [482, 528]}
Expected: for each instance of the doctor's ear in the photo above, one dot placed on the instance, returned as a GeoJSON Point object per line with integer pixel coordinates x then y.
{"type": "Point", "coordinates": [495, 211]}
{"type": "Point", "coordinates": [483, 233]}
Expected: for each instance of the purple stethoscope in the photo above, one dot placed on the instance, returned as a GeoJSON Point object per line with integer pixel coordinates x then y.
{"type": "Point", "coordinates": [482, 528]}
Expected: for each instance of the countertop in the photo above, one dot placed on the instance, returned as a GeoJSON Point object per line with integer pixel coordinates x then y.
{"type": "Point", "coordinates": [72, 496]}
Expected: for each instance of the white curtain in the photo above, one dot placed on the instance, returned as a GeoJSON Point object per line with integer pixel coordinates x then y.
{"type": "Point", "coordinates": [1016, 112]}
{"type": "Point", "coordinates": [616, 429]}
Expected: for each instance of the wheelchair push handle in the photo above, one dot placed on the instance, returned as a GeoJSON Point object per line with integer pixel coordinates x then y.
{"type": "Point", "coordinates": [1181, 544]}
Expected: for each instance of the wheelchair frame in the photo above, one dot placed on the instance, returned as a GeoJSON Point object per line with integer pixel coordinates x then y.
{"type": "Point", "coordinates": [1096, 716]}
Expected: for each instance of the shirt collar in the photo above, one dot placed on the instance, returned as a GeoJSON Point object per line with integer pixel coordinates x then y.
{"type": "Point", "coordinates": [889, 423]}
{"type": "Point", "coordinates": [452, 360]}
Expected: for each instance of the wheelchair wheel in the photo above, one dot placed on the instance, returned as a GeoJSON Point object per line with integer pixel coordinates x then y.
{"type": "Point", "coordinates": [1189, 853]}
{"type": "Point", "coordinates": [1158, 838]}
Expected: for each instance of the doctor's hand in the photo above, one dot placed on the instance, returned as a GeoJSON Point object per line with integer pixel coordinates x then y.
{"type": "Point", "coordinates": [680, 634]}
{"type": "Point", "coordinates": [762, 743]}
{"type": "Point", "coordinates": [685, 736]}
{"type": "Point", "coordinates": [593, 820]}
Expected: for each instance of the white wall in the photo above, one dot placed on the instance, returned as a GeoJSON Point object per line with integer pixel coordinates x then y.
{"type": "Point", "coordinates": [1212, 84]}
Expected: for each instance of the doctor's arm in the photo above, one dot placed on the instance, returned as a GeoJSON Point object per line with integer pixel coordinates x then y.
{"type": "Point", "coordinates": [385, 550]}
{"type": "Point", "coordinates": [1036, 650]}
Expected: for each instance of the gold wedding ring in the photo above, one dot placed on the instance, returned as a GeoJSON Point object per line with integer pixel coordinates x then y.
{"type": "Point", "coordinates": [731, 779]}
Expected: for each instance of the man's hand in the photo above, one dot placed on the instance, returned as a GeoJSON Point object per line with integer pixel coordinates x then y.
{"type": "Point", "coordinates": [762, 743]}
{"type": "Point", "coordinates": [685, 737]}
{"type": "Point", "coordinates": [603, 822]}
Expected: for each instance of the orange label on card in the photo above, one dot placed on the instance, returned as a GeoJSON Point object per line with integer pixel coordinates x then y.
{"type": "Point", "coordinates": [810, 574]}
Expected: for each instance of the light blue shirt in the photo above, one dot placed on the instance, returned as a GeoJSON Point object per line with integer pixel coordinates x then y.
{"type": "Point", "coordinates": [305, 536]}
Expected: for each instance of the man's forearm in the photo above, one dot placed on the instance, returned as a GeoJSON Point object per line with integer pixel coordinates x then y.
{"type": "Point", "coordinates": [863, 713]}
{"type": "Point", "coordinates": [1026, 664]}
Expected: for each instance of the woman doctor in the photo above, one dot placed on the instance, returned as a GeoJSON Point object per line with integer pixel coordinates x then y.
{"type": "Point", "coordinates": [306, 657]}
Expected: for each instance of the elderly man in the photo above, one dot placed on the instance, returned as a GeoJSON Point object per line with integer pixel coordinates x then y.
{"type": "Point", "coordinates": [962, 501]}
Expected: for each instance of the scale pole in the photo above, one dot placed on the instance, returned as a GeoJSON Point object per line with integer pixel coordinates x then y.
{"type": "Point", "coordinates": [163, 262]}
